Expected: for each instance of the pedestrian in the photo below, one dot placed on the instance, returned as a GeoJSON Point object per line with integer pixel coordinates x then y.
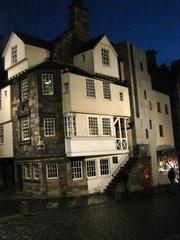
{"type": "Point", "coordinates": [123, 177]}
{"type": "Point", "coordinates": [171, 176]}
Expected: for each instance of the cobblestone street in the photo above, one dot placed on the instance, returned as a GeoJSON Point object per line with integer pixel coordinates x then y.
{"type": "Point", "coordinates": [92, 218]}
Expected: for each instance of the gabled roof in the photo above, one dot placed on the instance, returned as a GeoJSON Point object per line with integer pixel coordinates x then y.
{"type": "Point", "coordinates": [91, 44]}
{"type": "Point", "coordinates": [31, 40]}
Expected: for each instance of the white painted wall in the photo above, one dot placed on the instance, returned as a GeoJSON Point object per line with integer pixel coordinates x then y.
{"type": "Point", "coordinates": [6, 149]}
{"type": "Point", "coordinates": [82, 104]}
{"type": "Point", "coordinates": [5, 111]}
{"type": "Point", "coordinates": [13, 40]}
{"type": "Point", "coordinates": [35, 55]}
{"type": "Point", "coordinates": [112, 69]}
{"type": "Point", "coordinates": [88, 64]}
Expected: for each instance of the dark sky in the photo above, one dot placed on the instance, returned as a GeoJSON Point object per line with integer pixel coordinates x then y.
{"type": "Point", "coordinates": [146, 23]}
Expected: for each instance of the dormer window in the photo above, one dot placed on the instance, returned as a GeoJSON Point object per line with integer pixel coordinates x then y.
{"type": "Point", "coordinates": [14, 54]}
{"type": "Point", "coordinates": [47, 84]}
{"type": "Point", "coordinates": [105, 56]}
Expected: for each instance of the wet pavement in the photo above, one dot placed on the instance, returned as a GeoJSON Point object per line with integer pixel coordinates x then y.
{"type": "Point", "coordinates": [154, 217]}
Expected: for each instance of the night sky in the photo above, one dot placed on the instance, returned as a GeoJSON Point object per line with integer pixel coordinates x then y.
{"type": "Point", "coordinates": [146, 23]}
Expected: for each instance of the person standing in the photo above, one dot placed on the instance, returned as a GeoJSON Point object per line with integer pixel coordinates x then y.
{"type": "Point", "coordinates": [171, 176]}
{"type": "Point", "coordinates": [124, 179]}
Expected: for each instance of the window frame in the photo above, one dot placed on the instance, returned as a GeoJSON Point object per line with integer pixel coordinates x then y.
{"type": "Point", "coordinates": [105, 128]}
{"type": "Point", "coordinates": [70, 125]}
{"type": "Point", "coordinates": [2, 139]}
{"type": "Point", "coordinates": [14, 54]}
{"type": "Point", "coordinates": [104, 169]}
{"type": "Point", "coordinates": [25, 128]}
{"type": "Point", "coordinates": [105, 56]}
{"type": "Point", "coordinates": [90, 88]}
{"type": "Point", "coordinates": [24, 90]}
{"type": "Point", "coordinates": [51, 171]}
{"type": "Point", "coordinates": [73, 167]}
{"type": "Point", "coordinates": [47, 128]}
{"type": "Point", "coordinates": [106, 90]}
{"type": "Point", "coordinates": [27, 171]}
{"type": "Point", "coordinates": [47, 92]}
{"type": "Point", "coordinates": [93, 128]}
{"type": "Point", "coordinates": [34, 171]}
{"type": "Point", "coordinates": [158, 107]}
{"type": "Point", "coordinates": [166, 109]}
{"type": "Point", "coordinates": [91, 168]}
{"type": "Point", "coordinates": [161, 130]}
{"type": "Point", "coordinates": [121, 96]}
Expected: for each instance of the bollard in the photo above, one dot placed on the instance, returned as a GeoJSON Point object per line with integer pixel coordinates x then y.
{"type": "Point", "coordinates": [24, 208]}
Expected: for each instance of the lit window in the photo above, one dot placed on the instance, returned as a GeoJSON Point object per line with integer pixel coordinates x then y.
{"type": "Point", "coordinates": [93, 126]}
{"type": "Point", "coordinates": [14, 54]}
{"type": "Point", "coordinates": [166, 109]}
{"type": "Point", "coordinates": [1, 134]}
{"type": "Point", "coordinates": [24, 90]}
{"type": "Point", "coordinates": [115, 159]}
{"type": "Point", "coordinates": [47, 84]}
{"type": "Point", "coordinates": [91, 168]}
{"type": "Point", "coordinates": [49, 127]}
{"type": "Point", "coordinates": [27, 171]}
{"type": "Point", "coordinates": [25, 130]}
{"type": "Point", "coordinates": [104, 166]}
{"type": "Point", "coordinates": [105, 56]}
{"type": "Point", "coordinates": [121, 97]}
{"type": "Point", "coordinates": [158, 107]}
{"type": "Point", "coordinates": [35, 171]}
{"type": "Point", "coordinates": [106, 126]}
{"type": "Point", "coordinates": [106, 90]}
{"type": "Point", "coordinates": [90, 88]}
{"type": "Point", "coordinates": [147, 134]}
{"type": "Point", "coordinates": [66, 87]}
{"type": "Point", "coordinates": [77, 170]}
{"type": "Point", "coordinates": [145, 95]}
{"type": "Point", "coordinates": [161, 132]}
{"type": "Point", "coordinates": [52, 171]}
{"type": "Point", "coordinates": [0, 99]}
{"type": "Point", "coordinates": [70, 126]}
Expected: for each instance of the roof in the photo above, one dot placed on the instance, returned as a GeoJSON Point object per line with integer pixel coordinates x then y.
{"type": "Point", "coordinates": [31, 40]}
{"type": "Point", "coordinates": [90, 44]}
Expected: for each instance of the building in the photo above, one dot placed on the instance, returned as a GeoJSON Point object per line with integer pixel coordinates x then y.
{"type": "Point", "coordinates": [79, 109]}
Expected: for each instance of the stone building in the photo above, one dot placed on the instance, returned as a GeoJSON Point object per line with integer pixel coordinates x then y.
{"type": "Point", "coordinates": [73, 121]}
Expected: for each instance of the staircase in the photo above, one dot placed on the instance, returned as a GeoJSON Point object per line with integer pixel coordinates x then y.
{"type": "Point", "coordinates": [110, 189]}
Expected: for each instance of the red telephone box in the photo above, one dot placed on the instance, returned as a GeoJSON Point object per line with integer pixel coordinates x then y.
{"type": "Point", "coordinates": [147, 176]}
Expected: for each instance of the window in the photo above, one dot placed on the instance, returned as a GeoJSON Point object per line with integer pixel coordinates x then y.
{"type": "Point", "coordinates": [91, 168]}
{"type": "Point", "coordinates": [115, 160]}
{"type": "Point", "coordinates": [66, 87]}
{"type": "Point", "coordinates": [14, 54]}
{"type": "Point", "coordinates": [105, 56]}
{"type": "Point", "coordinates": [106, 90]}
{"type": "Point", "coordinates": [104, 166]}
{"type": "Point", "coordinates": [106, 126]}
{"type": "Point", "coordinates": [47, 84]}
{"type": "Point", "coordinates": [147, 134]}
{"type": "Point", "coordinates": [93, 126]}
{"type": "Point", "coordinates": [166, 109]}
{"type": "Point", "coordinates": [35, 171]}
{"type": "Point", "coordinates": [1, 134]}
{"type": "Point", "coordinates": [121, 97]}
{"type": "Point", "coordinates": [70, 126]}
{"type": "Point", "coordinates": [141, 66]}
{"type": "Point", "coordinates": [49, 127]}
{"type": "Point", "coordinates": [0, 99]}
{"type": "Point", "coordinates": [83, 57]}
{"type": "Point", "coordinates": [25, 129]}
{"type": "Point", "coordinates": [24, 90]}
{"type": "Point", "coordinates": [5, 93]}
{"type": "Point", "coordinates": [161, 132]}
{"type": "Point", "coordinates": [150, 105]}
{"type": "Point", "coordinates": [77, 170]}
{"type": "Point", "coordinates": [150, 124]}
{"type": "Point", "coordinates": [27, 171]}
{"type": "Point", "coordinates": [90, 88]}
{"type": "Point", "coordinates": [145, 95]}
{"type": "Point", "coordinates": [52, 171]}
{"type": "Point", "coordinates": [158, 107]}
